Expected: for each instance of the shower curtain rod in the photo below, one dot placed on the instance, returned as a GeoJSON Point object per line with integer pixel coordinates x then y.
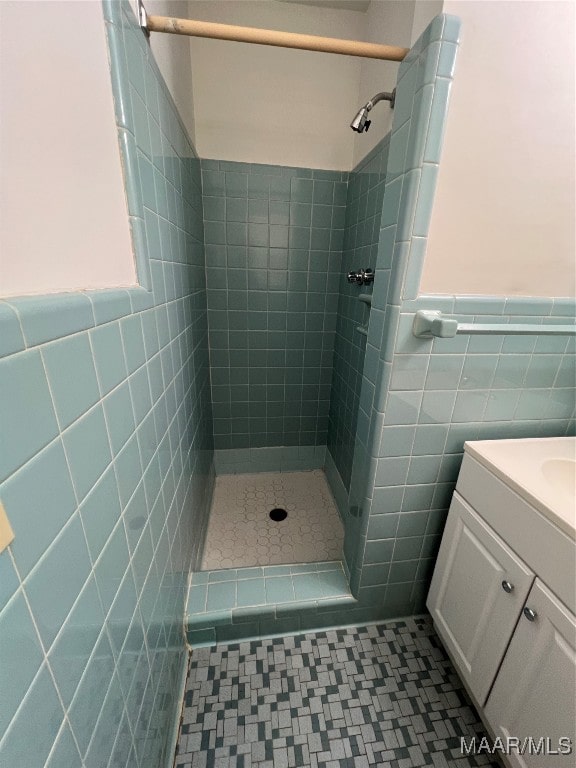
{"type": "Point", "coordinates": [269, 37]}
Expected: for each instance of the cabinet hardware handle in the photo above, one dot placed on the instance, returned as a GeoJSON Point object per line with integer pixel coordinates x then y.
{"type": "Point", "coordinates": [507, 587]}
{"type": "Point", "coordinates": [530, 614]}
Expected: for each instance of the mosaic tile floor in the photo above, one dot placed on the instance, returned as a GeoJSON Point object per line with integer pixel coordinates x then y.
{"type": "Point", "coordinates": [241, 533]}
{"type": "Point", "coordinates": [381, 696]}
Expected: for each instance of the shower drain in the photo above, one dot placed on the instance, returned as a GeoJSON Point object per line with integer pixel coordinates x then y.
{"type": "Point", "coordinates": [278, 514]}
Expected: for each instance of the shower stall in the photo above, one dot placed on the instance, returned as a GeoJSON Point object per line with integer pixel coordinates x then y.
{"type": "Point", "coordinates": [299, 275]}
{"type": "Point", "coordinates": [305, 271]}
{"type": "Point", "coordinates": [289, 279]}
{"type": "Point", "coordinates": [274, 240]}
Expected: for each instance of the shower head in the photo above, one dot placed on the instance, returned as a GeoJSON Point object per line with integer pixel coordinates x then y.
{"type": "Point", "coordinates": [361, 122]}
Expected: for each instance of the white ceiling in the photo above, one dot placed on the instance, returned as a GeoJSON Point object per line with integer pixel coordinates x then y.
{"type": "Point", "coordinates": [338, 5]}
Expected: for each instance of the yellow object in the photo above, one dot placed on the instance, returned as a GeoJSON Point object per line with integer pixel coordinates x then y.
{"type": "Point", "coordinates": [6, 532]}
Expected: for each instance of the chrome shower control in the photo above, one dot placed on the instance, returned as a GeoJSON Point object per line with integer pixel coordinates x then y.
{"type": "Point", "coordinates": [507, 587]}
{"type": "Point", "coordinates": [361, 276]}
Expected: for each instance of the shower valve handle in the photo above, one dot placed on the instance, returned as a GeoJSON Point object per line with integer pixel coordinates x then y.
{"type": "Point", "coordinates": [361, 276]}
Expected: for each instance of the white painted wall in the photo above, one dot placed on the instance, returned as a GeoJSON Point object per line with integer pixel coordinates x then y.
{"type": "Point", "coordinates": [391, 22]}
{"type": "Point", "coordinates": [63, 216]}
{"type": "Point", "coordinates": [269, 105]}
{"type": "Point", "coordinates": [272, 105]}
{"type": "Point", "coordinates": [424, 12]}
{"type": "Point", "coordinates": [503, 218]}
{"type": "Point", "coordinates": [172, 53]}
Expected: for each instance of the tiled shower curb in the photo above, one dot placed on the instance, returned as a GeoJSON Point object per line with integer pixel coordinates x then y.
{"type": "Point", "coordinates": [248, 603]}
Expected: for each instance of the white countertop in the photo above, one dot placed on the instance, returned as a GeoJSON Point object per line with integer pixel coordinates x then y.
{"type": "Point", "coordinates": [541, 470]}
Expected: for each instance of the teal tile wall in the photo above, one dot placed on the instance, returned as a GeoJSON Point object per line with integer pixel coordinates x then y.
{"type": "Point", "coordinates": [422, 399]}
{"type": "Point", "coordinates": [439, 395]}
{"type": "Point", "coordinates": [105, 468]}
{"type": "Point", "coordinates": [361, 236]}
{"type": "Point", "coordinates": [273, 239]}
{"type": "Point", "coordinates": [233, 461]}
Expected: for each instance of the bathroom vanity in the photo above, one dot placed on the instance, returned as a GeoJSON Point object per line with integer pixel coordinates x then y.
{"type": "Point", "coordinates": [503, 594]}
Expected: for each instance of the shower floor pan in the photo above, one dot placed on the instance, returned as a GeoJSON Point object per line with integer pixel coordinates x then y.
{"type": "Point", "coordinates": [241, 532]}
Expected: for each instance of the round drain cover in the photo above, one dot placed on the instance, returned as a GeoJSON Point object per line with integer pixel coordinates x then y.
{"type": "Point", "coordinates": [278, 514]}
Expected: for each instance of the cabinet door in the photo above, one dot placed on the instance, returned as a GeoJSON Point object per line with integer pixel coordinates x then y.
{"type": "Point", "coordinates": [473, 614]}
{"type": "Point", "coordinates": [534, 695]}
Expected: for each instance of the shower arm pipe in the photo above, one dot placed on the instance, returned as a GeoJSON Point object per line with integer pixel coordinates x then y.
{"type": "Point", "coordinates": [270, 37]}
{"type": "Point", "coordinates": [382, 96]}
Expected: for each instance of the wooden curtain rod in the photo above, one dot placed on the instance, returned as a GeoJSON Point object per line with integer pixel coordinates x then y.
{"type": "Point", "coordinates": [273, 37]}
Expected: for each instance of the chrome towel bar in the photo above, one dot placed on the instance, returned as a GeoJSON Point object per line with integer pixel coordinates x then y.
{"type": "Point", "coordinates": [430, 323]}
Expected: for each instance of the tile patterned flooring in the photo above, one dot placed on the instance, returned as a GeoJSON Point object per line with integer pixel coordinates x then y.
{"type": "Point", "coordinates": [381, 696]}
{"type": "Point", "coordinates": [241, 533]}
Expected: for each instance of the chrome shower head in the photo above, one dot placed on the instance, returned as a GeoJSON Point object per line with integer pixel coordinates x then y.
{"type": "Point", "coordinates": [361, 122]}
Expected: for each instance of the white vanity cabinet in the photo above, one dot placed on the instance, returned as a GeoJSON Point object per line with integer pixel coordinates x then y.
{"type": "Point", "coordinates": [534, 693]}
{"type": "Point", "coordinates": [477, 594]}
{"type": "Point", "coordinates": [503, 598]}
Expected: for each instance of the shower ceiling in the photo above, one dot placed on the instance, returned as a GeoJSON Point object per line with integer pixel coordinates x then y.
{"type": "Point", "coordinates": [338, 5]}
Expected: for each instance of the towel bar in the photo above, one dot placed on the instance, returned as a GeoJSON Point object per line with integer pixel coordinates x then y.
{"type": "Point", "coordinates": [430, 323]}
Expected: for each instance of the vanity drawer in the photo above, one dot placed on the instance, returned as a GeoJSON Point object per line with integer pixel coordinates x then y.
{"type": "Point", "coordinates": [546, 549]}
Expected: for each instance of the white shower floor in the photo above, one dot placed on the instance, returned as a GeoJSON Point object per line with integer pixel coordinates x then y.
{"type": "Point", "coordinates": [241, 533]}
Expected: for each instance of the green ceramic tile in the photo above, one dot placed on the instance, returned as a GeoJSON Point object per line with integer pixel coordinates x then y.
{"type": "Point", "coordinates": [71, 651]}
{"type": "Point", "coordinates": [532, 404]}
{"type": "Point", "coordinates": [396, 441]}
{"type": "Point", "coordinates": [26, 411]}
{"type": "Point", "coordinates": [469, 406]}
{"type": "Point", "coordinates": [251, 592]}
{"type": "Point", "coordinates": [374, 575]}
{"type": "Point", "coordinates": [91, 693]}
{"type": "Point", "coordinates": [236, 184]}
{"type": "Point", "coordinates": [542, 371]}
{"type": "Point", "coordinates": [22, 655]}
{"type": "Point", "coordinates": [402, 407]}
{"type": "Point", "coordinates": [407, 548]}
{"type": "Point", "coordinates": [444, 372]}
{"type": "Point", "coordinates": [403, 571]}
{"type": "Point", "coordinates": [560, 404]}
{"type": "Point", "coordinates": [409, 372]}
{"type": "Point", "coordinates": [387, 500]}
{"type": "Point", "coordinates": [382, 526]}
{"type": "Point", "coordinates": [46, 318]}
{"type": "Point", "coordinates": [379, 551]}
{"type": "Point", "coordinates": [429, 439]}
{"type": "Point", "coordinates": [501, 405]}
{"type": "Point", "coordinates": [53, 584]}
{"type": "Point", "coordinates": [413, 523]}
{"type": "Point", "coordinates": [301, 190]}
{"type": "Point", "coordinates": [109, 358]}
{"type": "Point", "coordinates": [65, 751]}
{"type": "Point", "coordinates": [200, 637]}
{"type": "Point", "coordinates": [228, 574]}
{"type": "Point", "coordinates": [197, 599]}
{"type": "Point", "coordinates": [37, 724]}
{"type": "Point", "coordinates": [423, 469]}
{"type": "Point", "coordinates": [279, 589]}
{"type": "Point", "coordinates": [478, 371]}
{"type": "Point", "coordinates": [221, 596]}
{"type": "Point", "coordinates": [12, 338]}
{"type": "Point", "coordinates": [307, 586]}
